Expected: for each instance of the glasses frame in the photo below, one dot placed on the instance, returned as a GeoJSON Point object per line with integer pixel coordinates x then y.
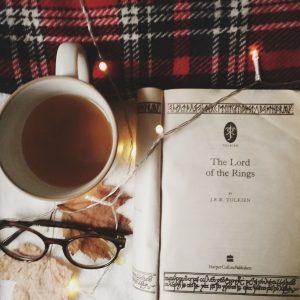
{"type": "Point", "coordinates": [115, 237]}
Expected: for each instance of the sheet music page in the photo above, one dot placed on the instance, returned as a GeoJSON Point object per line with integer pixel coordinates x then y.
{"type": "Point", "coordinates": [231, 196]}
{"type": "Point", "coordinates": [146, 230]}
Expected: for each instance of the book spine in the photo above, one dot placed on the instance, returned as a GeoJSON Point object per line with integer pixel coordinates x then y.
{"type": "Point", "coordinates": [146, 237]}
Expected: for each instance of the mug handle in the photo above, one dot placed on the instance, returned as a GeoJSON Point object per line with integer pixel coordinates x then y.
{"type": "Point", "coordinates": [71, 61]}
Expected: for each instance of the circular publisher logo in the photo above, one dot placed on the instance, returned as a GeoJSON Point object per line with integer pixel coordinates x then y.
{"type": "Point", "coordinates": [230, 132]}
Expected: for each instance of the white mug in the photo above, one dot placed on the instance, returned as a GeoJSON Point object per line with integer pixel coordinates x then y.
{"type": "Point", "coordinates": [72, 77]}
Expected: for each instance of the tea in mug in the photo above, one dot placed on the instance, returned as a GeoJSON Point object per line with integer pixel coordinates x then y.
{"type": "Point", "coordinates": [66, 140]}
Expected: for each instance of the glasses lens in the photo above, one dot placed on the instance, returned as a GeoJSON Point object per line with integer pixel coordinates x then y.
{"type": "Point", "coordinates": [92, 251]}
{"type": "Point", "coordinates": [22, 243]}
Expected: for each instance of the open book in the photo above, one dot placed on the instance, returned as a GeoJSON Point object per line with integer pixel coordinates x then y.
{"type": "Point", "coordinates": [217, 212]}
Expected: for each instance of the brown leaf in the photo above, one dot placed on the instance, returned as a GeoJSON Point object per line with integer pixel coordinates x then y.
{"type": "Point", "coordinates": [96, 216]}
{"type": "Point", "coordinates": [96, 248]}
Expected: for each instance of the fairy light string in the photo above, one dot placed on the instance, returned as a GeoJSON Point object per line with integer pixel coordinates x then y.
{"type": "Point", "coordinates": [90, 28]}
{"type": "Point", "coordinates": [112, 198]}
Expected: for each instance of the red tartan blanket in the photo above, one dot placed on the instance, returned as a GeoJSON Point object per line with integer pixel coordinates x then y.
{"type": "Point", "coordinates": [154, 43]}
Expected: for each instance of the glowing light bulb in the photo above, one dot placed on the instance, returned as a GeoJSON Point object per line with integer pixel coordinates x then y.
{"type": "Point", "coordinates": [103, 66]}
{"type": "Point", "coordinates": [254, 54]}
{"type": "Point", "coordinates": [73, 287]}
{"type": "Point", "coordinates": [159, 129]}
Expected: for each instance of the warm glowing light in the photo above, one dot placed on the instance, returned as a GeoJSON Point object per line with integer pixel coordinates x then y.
{"type": "Point", "coordinates": [254, 54]}
{"type": "Point", "coordinates": [102, 66]}
{"type": "Point", "coordinates": [120, 148]}
{"type": "Point", "coordinates": [159, 129]}
{"type": "Point", "coordinates": [73, 287]}
{"type": "Point", "coordinates": [133, 152]}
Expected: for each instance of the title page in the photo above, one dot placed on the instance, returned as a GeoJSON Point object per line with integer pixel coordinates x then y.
{"type": "Point", "coordinates": [230, 196]}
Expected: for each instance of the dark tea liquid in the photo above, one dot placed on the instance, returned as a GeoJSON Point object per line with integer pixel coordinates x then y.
{"type": "Point", "coordinates": [66, 140]}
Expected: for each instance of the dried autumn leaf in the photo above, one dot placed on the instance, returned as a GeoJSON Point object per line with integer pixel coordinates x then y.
{"type": "Point", "coordinates": [96, 216]}
{"type": "Point", "coordinates": [75, 245]}
{"type": "Point", "coordinates": [96, 248]}
{"type": "Point", "coordinates": [92, 247]}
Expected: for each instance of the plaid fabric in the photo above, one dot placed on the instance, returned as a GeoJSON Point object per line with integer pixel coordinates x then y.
{"type": "Point", "coordinates": [166, 44]}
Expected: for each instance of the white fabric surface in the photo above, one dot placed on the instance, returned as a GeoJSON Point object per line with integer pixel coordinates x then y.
{"type": "Point", "coordinates": [6, 289]}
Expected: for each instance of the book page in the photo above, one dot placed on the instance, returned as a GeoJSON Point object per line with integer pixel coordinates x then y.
{"type": "Point", "coordinates": [231, 196]}
{"type": "Point", "coordinates": [146, 230]}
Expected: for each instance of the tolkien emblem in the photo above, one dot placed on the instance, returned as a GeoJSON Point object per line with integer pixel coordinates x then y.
{"type": "Point", "coordinates": [230, 132]}
{"type": "Point", "coordinates": [229, 258]}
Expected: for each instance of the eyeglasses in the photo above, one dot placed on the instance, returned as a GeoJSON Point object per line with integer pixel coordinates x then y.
{"type": "Point", "coordinates": [89, 248]}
